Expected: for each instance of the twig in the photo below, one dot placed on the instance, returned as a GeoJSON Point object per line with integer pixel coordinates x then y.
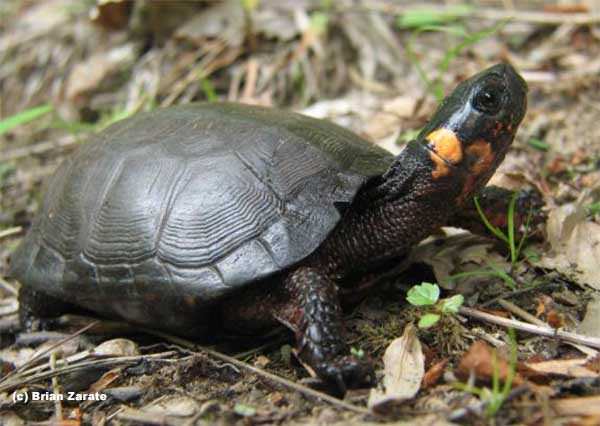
{"type": "Point", "coordinates": [513, 293]}
{"type": "Point", "coordinates": [9, 232]}
{"type": "Point", "coordinates": [39, 148]}
{"type": "Point", "coordinates": [24, 378]}
{"type": "Point", "coordinates": [593, 342]}
{"type": "Point", "coordinates": [58, 415]}
{"type": "Point", "coordinates": [514, 309]}
{"type": "Point", "coordinates": [8, 287]}
{"type": "Point", "coordinates": [537, 17]}
{"type": "Point", "coordinates": [258, 371]}
{"type": "Point", "coordinates": [45, 351]}
{"type": "Point", "coordinates": [493, 14]}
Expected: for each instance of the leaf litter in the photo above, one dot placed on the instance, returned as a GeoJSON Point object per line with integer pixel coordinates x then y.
{"type": "Point", "coordinates": [347, 64]}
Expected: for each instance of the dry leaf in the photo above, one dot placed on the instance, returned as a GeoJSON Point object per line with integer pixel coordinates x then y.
{"type": "Point", "coordinates": [575, 242]}
{"type": "Point", "coordinates": [589, 325]}
{"type": "Point", "coordinates": [563, 367]}
{"type": "Point", "coordinates": [262, 361]}
{"type": "Point", "coordinates": [111, 14]}
{"type": "Point", "coordinates": [460, 251]}
{"type": "Point", "coordinates": [117, 347]}
{"type": "Point", "coordinates": [99, 71]}
{"type": "Point", "coordinates": [222, 20]}
{"type": "Point", "coordinates": [434, 373]}
{"type": "Point", "coordinates": [181, 406]}
{"type": "Point", "coordinates": [586, 406]}
{"type": "Point", "coordinates": [404, 368]}
{"type": "Point", "coordinates": [480, 360]}
{"type": "Point", "coordinates": [105, 381]}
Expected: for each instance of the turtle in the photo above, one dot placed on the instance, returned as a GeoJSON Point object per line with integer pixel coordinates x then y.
{"type": "Point", "coordinates": [207, 217]}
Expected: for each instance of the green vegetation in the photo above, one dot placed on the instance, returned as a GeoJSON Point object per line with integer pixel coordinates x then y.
{"type": "Point", "coordinates": [516, 249]}
{"type": "Point", "coordinates": [426, 17]}
{"type": "Point", "coordinates": [428, 295]}
{"type": "Point", "coordinates": [244, 410]}
{"type": "Point", "coordinates": [509, 237]}
{"type": "Point", "coordinates": [450, 22]}
{"type": "Point", "coordinates": [594, 208]}
{"type": "Point", "coordinates": [492, 271]}
{"type": "Point", "coordinates": [496, 396]}
{"type": "Point", "coordinates": [538, 144]}
{"type": "Point", "coordinates": [23, 117]}
{"type": "Point", "coordinates": [208, 89]}
{"type": "Point", "coordinates": [358, 353]}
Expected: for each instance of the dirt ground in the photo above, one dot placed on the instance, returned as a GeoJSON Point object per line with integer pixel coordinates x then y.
{"type": "Point", "coordinates": [522, 348]}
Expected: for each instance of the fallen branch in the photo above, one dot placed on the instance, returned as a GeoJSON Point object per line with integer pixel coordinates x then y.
{"type": "Point", "coordinates": [260, 372]}
{"type": "Point", "coordinates": [38, 148]}
{"type": "Point", "coordinates": [5, 233]}
{"type": "Point", "coordinates": [566, 336]}
{"type": "Point", "coordinates": [492, 14]}
{"type": "Point", "coordinates": [5, 285]}
{"type": "Point", "coordinates": [24, 377]}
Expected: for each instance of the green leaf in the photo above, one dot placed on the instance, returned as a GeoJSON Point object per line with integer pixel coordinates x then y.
{"type": "Point", "coordinates": [538, 144]}
{"type": "Point", "coordinates": [428, 320]}
{"type": "Point", "coordinates": [358, 353]}
{"type": "Point", "coordinates": [319, 22]}
{"type": "Point", "coordinates": [493, 229]}
{"type": "Point", "coordinates": [452, 304]}
{"type": "Point", "coordinates": [244, 410]}
{"type": "Point", "coordinates": [249, 5]}
{"type": "Point", "coordinates": [26, 116]}
{"type": "Point", "coordinates": [408, 136]}
{"type": "Point", "coordinates": [208, 89]}
{"type": "Point", "coordinates": [421, 17]}
{"type": "Point", "coordinates": [594, 208]}
{"type": "Point", "coordinates": [423, 295]}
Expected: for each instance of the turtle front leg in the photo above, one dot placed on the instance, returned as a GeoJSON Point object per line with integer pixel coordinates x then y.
{"type": "Point", "coordinates": [312, 311]}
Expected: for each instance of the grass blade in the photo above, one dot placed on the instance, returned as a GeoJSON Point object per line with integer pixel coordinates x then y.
{"type": "Point", "coordinates": [24, 117]}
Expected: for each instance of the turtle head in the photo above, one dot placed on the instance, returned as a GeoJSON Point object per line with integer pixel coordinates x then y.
{"type": "Point", "coordinates": [475, 125]}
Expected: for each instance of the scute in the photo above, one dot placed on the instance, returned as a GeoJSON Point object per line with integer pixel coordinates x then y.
{"type": "Point", "coordinates": [189, 203]}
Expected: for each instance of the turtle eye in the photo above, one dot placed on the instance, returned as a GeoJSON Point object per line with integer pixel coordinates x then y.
{"type": "Point", "coordinates": [488, 100]}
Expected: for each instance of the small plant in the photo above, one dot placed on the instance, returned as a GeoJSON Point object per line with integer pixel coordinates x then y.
{"type": "Point", "coordinates": [358, 353]}
{"type": "Point", "coordinates": [495, 397]}
{"type": "Point", "coordinates": [594, 208]}
{"type": "Point", "coordinates": [490, 271]}
{"type": "Point", "coordinates": [509, 237]}
{"type": "Point", "coordinates": [538, 144]}
{"type": "Point", "coordinates": [428, 295]}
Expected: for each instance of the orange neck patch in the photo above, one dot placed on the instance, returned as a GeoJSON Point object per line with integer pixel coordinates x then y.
{"type": "Point", "coordinates": [446, 149]}
{"type": "Point", "coordinates": [482, 151]}
{"type": "Point", "coordinates": [484, 156]}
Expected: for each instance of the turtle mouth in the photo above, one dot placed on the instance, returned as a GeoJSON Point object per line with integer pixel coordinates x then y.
{"type": "Point", "coordinates": [434, 153]}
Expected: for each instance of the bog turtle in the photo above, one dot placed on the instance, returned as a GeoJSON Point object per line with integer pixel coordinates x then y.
{"type": "Point", "coordinates": [204, 217]}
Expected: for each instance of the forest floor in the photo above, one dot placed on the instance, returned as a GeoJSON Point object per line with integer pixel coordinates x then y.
{"type": "Point", "coordinates": [522, 348]}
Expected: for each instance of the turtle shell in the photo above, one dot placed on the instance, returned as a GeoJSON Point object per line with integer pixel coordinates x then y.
{"type": "Point", "coordinates": [183, 205]}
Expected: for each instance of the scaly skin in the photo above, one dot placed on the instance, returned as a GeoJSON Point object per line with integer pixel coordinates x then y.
{"type": "Point", "coordinates": [425, 187]}
{"type": "Point", "coordinates": [430, 181]}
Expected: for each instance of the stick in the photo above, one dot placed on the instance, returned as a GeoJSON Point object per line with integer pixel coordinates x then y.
{"type": "Point", "coordinates": [8, 287]}
{"type": "Point", "coordinates": [492, 14]}
{"type": "Point", "coordinates": [39, 148]}
{"type": "Point", "coordinates": [273, 377]}
{"type": "Point", "coordinates": [514, 309]}
{"type": "Point", "coordinates": [24, 378]}
{"type": "Point", "coordinates": [5, 233]}
{"type": "Point", "coordinates": [593, 342]}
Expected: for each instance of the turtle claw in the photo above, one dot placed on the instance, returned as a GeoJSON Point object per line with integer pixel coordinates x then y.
{"type": "Point", "coordinates": [346, 372]}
